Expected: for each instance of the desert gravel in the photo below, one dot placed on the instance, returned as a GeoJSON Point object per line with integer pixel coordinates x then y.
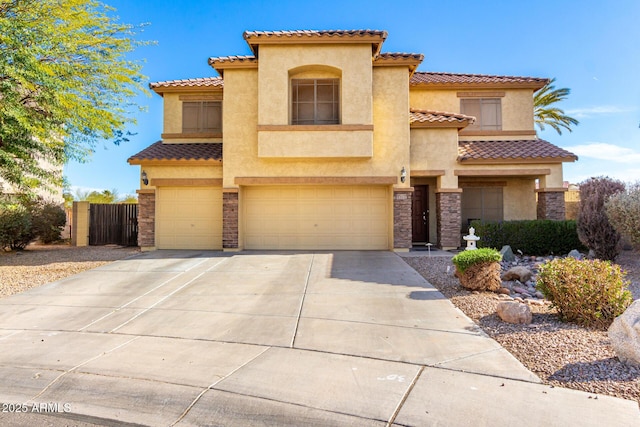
{"type": "Point", "coordinates": [40, 264]}
{"type": "Point", "coordinates": [561, 354]}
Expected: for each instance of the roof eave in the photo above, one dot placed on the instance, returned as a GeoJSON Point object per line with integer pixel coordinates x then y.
{"type": "Point", "coordinates": [473, 86]}
{"type": "Point", "coordinates": [173, 162]}
{"type": "Point", "coordinates": [516, 160]}
{"type": "Point", "coordinates": [428, 125]}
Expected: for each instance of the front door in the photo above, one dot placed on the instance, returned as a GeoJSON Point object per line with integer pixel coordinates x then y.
{"type": "Point", "coordinates": [420, 214]}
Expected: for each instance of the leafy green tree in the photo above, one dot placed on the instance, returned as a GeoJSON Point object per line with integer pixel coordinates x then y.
{"type": "Point", "coordinates": [546, 113]}
{"type": "Point", "coordinates": [65, 84]}
{"type": "Point", "coordinates": [129, 198]}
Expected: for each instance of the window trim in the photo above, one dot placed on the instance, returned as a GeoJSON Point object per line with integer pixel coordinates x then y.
{"type": "Point", "coordinates": [201, 130]}
{"type": "Point", "coordinates": [479, 124]}
{"type": "Point", "coordinates": [335, 102]}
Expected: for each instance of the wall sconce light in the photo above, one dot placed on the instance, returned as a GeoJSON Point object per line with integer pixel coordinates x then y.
{"type": "Point", "coordinates": [403, 175]}
{"type": "Point", "coordinates": [145, 178]}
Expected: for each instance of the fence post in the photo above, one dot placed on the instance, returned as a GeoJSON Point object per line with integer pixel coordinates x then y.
{"type": "Point", "coordinates": [80, 226]}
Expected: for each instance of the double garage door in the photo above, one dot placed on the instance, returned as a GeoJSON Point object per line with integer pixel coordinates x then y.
{"type": "Point", "coordinates": [316, 217]}
{"type": "Point", "coordinates": [277, 217]}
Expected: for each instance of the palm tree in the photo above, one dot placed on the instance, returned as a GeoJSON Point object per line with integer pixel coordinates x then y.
{"type": "Point", "coordinates": [544, 113]}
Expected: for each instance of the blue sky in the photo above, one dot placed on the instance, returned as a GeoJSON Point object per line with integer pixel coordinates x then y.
{"type": "Point", "coordinates": [592, 47]}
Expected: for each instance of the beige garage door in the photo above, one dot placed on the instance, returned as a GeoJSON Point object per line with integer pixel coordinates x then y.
{"type": "Point", "coordinates": [316, 217]}
{"type": "Point", "coordinates": [189, 218]}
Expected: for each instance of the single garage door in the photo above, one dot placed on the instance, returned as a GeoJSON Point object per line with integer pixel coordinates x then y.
{"type": "Point", "coordinates": [316, 217]}
{"type": "Point", "coordinates": [189, 218]}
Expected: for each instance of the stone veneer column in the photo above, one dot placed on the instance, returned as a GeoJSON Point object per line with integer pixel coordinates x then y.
{"type": "Point", "coordinates": [449, 218]}
{"type": "Point", "coordinates": [230, 219]}
{"type": "Point", "coordinates": [551, 205]}
{"type": "Point", "coordinates": [402, 200]}
{"type": "Point", "coordinates": [146, 218]}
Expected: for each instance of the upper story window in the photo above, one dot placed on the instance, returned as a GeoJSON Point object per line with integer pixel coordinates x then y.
{"type": "Point", "coordinates": [315, 101]}
{"type": "Point", "coordinates": [202, 117]}
{"type": "Point", "coordinates": [487, 111]}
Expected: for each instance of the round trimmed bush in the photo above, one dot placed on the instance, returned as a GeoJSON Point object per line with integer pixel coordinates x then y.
{"type": "Point", "coordinates": [588, 292]}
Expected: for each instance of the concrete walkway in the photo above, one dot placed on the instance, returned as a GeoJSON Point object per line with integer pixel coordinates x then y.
{"type": "Point", "coordinates": [206, 338]}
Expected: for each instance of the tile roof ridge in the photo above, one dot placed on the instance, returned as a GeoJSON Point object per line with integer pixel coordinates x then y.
{"type": "Point", "coordinates": [308, 32]}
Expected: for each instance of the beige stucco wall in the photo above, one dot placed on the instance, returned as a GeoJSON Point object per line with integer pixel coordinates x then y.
{"type": "Point", "coordinates": [351, 63]}
{"type": "Point", "coordinates": [80, 231]}
{"type": "Point", "coordinates": [436, 149]}
{"type": "Point", "coordinates": [172, 113]}
{"type": "Point", "coordinates": [389, 92]}
{"type": "Point", "coordinates": [321, 144]}
{"type": "Point", "coordinates": [519, 199]}
{"type": "Point", "coordinates": [555, 180]}
{"type": "Point", "coordinates": [179, 172]}
{"type": "Point", "coordinates": [517, 107]}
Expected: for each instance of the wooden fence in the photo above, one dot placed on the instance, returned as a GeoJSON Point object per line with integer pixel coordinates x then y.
{"type": "Point", "coordinates": [115, 224]}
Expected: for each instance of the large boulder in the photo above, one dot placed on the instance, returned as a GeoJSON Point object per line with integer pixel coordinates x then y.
{"type": "Point", "coordinates": [521, 273]}
{"type": "Point", "coordinates": [514, 312]}
{"type": "Point", "coordinates": [481, 277]}
{"type": "Point", "coordinates": [624, 334]}
{"type": "Point", "coordinates": [507, 254]}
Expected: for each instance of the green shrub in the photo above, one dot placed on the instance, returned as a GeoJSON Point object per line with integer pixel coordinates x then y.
{"type": "Point", "coordinates": [594, 228]}
{"type": "Point", "coordinates": [623, 211]}
{"type": "Point", "coordinates": [48, 220]}
{"type": "Point", "coordinates": [466, 259]}
{"type": "Point", "coordinates": [16, 230]}
{"type": "Point", "coordinates": [532, 237]}
{"type": "Point", "coordinates": [589, 292]}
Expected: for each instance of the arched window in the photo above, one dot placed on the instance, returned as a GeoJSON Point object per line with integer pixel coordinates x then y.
{"type": "Point", "coordinates": [315, 96]}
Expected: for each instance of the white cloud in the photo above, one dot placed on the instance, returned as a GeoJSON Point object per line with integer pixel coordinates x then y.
{"type": "Point", "coordinates": [606, 152]}
{"type": "Point", "coordinates": [580, 113]}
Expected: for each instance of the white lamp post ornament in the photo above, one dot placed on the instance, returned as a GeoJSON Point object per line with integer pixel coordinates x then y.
{"type": "Point", "coordinates": [471, 240]}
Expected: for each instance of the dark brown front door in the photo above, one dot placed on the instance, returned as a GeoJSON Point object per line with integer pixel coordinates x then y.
{"type": "Point", "coordinates": [420, 214]}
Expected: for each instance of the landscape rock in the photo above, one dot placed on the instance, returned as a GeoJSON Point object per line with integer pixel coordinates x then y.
{"type": "Point", "coordinates": [504, 291]}
{"type": "Point", "coordinates": [575, 254]}
{"type": "Point", "coordinates": [521, 273]}
{"type": "Point", "coordinates": [514, 312]}
{"type": "Point", "coordinates": [624, 334]}
{"type": "Point", "coordinates": [507, 254]}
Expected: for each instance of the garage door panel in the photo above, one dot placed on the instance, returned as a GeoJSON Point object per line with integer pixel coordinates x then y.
{"type": "Point", "coordinates": [189, 218]}
{"type": "Point", "coordinates": [316, 217]}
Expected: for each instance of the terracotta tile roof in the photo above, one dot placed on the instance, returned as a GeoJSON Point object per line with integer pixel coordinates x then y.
{"type": "Point", "coordinates": [512, 150]}
{"type": "Point", "coordinates": [161, 151]}
{"type": "Point", "coordinates": [375, 37]}
{"type": "Point", "coordinates": [439, 118]}
{"type": "Point", "coordinates": [233, 58]}
{"type": "Point", "coordinates": [400, 55]}
{"type": "Point", "coordinates": [200, 82]}
{"type": "Point", "coordinates": [436, 79]}
{"type": "Point", "coordinates": [314, 33]}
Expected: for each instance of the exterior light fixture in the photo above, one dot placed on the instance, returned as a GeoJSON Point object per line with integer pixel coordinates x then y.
{"type": "Point", "coordinates": [145, 178]}
{"type": "Point", "coordinates": [403, 175]}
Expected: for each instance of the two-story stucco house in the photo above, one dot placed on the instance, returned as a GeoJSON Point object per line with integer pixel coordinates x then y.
{"type": "Point", "coordinates": [319, 140]}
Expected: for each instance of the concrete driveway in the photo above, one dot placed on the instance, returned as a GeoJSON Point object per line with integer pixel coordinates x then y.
{"type": "Point", "coordinates": [207, 338]}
